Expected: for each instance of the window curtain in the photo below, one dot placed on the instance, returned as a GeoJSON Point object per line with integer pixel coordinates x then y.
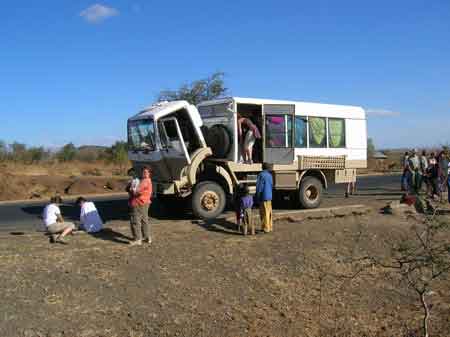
{"type": "Point", "coordinates": [318, 129]}
{"type": "Point", "coordinates": [336, 128]}
{"type": "Point", "coordinates": [300, 132]}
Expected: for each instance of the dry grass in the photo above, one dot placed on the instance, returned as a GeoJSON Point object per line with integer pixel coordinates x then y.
{"type": "Point", "coordinates": [19, 181]}
{"type": "Point", "coordinates": [65, 169]}
{"type": "Point", "coordinates": [206, 281]}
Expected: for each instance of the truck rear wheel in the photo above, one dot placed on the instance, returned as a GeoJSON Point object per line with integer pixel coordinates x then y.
{"type": "Point", "coordinates": [310, 192]}
{"type": "Point", "coordinates": [208, 200]}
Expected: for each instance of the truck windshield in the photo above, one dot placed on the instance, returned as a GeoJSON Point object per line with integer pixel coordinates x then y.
{"type": "Point", "coordinates": [141, 134]}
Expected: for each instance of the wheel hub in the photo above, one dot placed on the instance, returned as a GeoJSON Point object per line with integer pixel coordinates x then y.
{"type": "Point", "coordinates": [311, 193]}
{"type": "Point", "coordinates": [209, 200]}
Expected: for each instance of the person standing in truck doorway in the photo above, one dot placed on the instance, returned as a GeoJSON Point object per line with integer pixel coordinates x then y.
{"type": "Point", "coordinates": [264, 187]}
{"type": "Point", "coordinates": [248, 134]}
{"type": "Point", "coordinates": [139, 202]}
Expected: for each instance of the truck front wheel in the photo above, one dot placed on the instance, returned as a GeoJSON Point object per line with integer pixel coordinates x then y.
{"type": "Point", "coordinates": [208, 200]}
{"type": "Point", "coordinates": [310, 192]}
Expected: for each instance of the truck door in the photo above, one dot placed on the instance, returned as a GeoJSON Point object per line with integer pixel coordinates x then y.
{"type": "Point", "coordinates": [174, 151]}
{"type": "Point", "coordinates": [278, 133]}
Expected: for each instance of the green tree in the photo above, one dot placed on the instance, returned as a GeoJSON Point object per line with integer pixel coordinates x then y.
{"type": "Point", "coordinates": [67, 152]}
{"type": "Point", "coordinates": [36, 154]}
{"type": "Point", "coordinates": [198, 91]}
{"type": "Point", "coordinates": [3, 151]}
{"type": "Point", "coordinates": [370, 148]}
{"type": "Point", "coordinates": [118, 154]}
{"type": "Point", "coordinates": [18, 151]}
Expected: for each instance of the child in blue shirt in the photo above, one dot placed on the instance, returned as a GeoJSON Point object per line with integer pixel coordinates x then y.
{"type": "Point", "coordinates": [245, 206]}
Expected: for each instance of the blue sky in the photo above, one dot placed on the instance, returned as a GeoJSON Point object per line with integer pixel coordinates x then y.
{"type": "Point", "coordinates": [75, 70]}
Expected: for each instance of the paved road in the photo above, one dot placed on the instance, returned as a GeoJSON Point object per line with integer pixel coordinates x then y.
{"type": "Point", "coordinates": [18, 217]}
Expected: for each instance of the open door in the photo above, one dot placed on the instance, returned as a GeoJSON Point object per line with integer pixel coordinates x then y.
{"type": "Point", "coordinates": [174, 152]}
{"type": "Point", "coordinates": [279, 133]}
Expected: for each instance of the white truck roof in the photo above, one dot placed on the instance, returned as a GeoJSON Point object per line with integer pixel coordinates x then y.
{"type": "Point", "coordinates": [307, 108]}
{"type": "Point", "coordinates": [160, 109]}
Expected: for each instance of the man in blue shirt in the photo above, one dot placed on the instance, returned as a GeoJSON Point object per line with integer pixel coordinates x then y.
{"type": "Point", "coordinates": [264, 186]}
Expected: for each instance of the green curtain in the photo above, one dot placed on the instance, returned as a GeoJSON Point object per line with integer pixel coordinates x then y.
{"type": "Point", "coordinates": [336, 127]}
{"type": "Point", "coordinates": [318, 129]}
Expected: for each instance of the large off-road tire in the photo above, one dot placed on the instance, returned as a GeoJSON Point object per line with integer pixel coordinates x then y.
{"type": "Point", "coordinates": [310, 192]}
{"type": "Point", "coordinates": [208, 200]}
{"type": "Point", "coordinates": [218, 138]}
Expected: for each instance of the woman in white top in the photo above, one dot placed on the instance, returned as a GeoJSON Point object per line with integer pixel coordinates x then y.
{"type": "Point", "coordinates": [90, 220]}
{"type": "Point", "coordinates": [54, 221]}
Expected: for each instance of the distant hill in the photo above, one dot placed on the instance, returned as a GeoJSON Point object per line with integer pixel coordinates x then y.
{"type": "Point", "coordinates": [92, 148]}
{"type": "Point", "coordinates": [91, 152]}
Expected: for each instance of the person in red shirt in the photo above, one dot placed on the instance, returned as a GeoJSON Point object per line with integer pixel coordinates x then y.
{"type": "Point", "coordinates": [139, 202]}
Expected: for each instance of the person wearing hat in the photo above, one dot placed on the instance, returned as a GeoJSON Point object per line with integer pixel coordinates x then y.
{"type": "Point", "coordinates": [54, 222]}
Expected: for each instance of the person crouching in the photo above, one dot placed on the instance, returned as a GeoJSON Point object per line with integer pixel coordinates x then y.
{"type": "Point", "coordinates": [54, 222]}
{"type": "Point", "coordinates": [90, 220]}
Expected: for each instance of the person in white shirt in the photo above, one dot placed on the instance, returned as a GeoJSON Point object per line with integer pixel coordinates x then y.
{"type": "Point", "coordinates": [54, 222]}
{"type": "Point", "coordinates": [90, 220]}
{"type": "Point", "coordinates": [133, 184]}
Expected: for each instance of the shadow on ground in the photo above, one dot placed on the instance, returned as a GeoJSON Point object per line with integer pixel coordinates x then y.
{"type": "Point", "coordinates": [109, 234]}
{"type": "Point", "coordinates": [218, 225]}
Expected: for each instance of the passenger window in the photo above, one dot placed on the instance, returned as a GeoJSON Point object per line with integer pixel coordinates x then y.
{"type": "Point", "coordinates": [317, 132]}
{"type": "Point", "coordinates": [278, 131]}
{"type": "Point", "coordinates": [300, 131]}
{"type": "Point", "coordinates": [336, 132]}
{"type": "Point", "coordinates": [162, 136]}
{"type": "Point", "coordinates": [171, 129]}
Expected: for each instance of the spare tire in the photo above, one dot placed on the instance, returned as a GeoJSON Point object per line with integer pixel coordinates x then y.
{"type": "Point", "coordinates": [219, 139]}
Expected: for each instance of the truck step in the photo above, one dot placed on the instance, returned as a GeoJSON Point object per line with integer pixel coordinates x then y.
{"type": "Point", "coordinates": [251, 181]}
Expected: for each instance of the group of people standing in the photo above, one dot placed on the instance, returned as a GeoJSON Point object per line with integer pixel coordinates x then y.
{"type": "Point", "coordinates": [431, 170]}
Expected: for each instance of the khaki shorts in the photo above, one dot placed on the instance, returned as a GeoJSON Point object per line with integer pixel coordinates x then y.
{"type": "Point", "coordinates": [59, 227]}
{"type": "Point", "coordinates": [249, 139]}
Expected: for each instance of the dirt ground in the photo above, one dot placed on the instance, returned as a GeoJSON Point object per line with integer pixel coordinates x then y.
{"type": "Point", "coordinates": [21, 182]}
{"type": "Point", "coordinates": [200, 279]}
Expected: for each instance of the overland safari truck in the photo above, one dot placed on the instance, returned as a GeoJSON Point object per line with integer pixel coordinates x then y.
{"type": "Point", "coordinates": [195, 151]}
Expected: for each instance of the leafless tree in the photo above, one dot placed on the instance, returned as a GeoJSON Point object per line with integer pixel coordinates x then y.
{"type": "Point", "coordinates": [420, 260]}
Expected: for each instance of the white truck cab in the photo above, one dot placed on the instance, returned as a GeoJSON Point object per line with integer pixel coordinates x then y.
{"type": "Point", "coordinates": [196, 152]}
